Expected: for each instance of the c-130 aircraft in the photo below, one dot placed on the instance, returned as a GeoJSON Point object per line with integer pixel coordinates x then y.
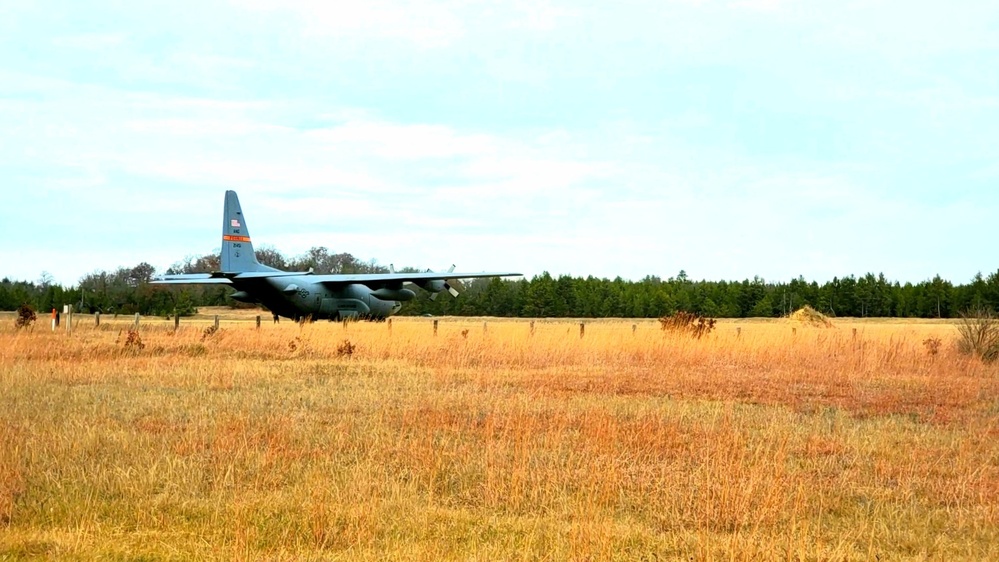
{"type": "Point", "coordinates": [303, 294]}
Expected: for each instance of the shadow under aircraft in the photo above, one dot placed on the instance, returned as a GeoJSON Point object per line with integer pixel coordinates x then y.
{"type": "Point", "coordinates": [304, 294]}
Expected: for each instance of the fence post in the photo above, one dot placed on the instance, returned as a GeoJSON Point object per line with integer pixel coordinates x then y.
{"type": "Point", "coordinates": [97, 320]}
{"type": "Point", "coordinates": [582, 329]}
{"type": "Point", "coordinates": [634, 328]}
{"type": "Point", "coordinates": [176, 322]}
{"type": "Point", "coordinates": [136, 321]}
{"type": "Point", "coordinates": [435, 327]}
{"type": "Point", "coordinates": [55, 319]}
{"type": "Point", "coordinates": [216, 321]}
{"type": "Point", "coordinates": [258, 321]}
{"type": "Point", "coordinates": [389, 325]}
{"type": "Point", "coordinates": [738, 332]}
{"type": "Point", "coordinates": [532, 327]}
{"type": "Point", "coordinates": [485, 327]}
{"type": "Point", "coordinates": [69, 319]}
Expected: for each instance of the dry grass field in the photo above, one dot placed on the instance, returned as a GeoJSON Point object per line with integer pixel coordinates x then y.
{"type": "Point", "coordinates": [285, 443]}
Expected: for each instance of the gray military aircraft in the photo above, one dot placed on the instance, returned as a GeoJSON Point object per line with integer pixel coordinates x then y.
{"type": "Point", "coordinates": [304, 294]}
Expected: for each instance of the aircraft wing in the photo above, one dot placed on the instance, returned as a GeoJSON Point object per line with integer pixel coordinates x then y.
{"type": "Point", "coordinates": [385, 278]}
{"type": "Point", "coordinates": [221, 277]}
{"type": "Point", "coordinates": [258, 274]}
{"type": "Point", "coordinates": [191, 279]}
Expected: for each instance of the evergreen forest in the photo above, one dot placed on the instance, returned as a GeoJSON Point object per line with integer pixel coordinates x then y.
{"type": "Point", "coordinates": [128, 291]}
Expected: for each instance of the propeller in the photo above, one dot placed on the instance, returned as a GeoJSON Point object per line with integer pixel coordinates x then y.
{"type": "Point", "coordinates": [449, 285]}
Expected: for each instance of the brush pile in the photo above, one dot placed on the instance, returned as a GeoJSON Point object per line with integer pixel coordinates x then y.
{"type": "Point", "coordinates": [811, 317]}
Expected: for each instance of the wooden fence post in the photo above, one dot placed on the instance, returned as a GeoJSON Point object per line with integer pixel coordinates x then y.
{"type": "Point", "coordinates": [389, 325]}
{"type": "Point", "coordinates": [435, 327]}
{"type": "Point", "coordinates": [258, 321]}
{"type": "Point", "coordinates": [485, 327]}
{"type": "Point", "coordinates": [136, 327]}
{"type": "Point", "coordinates": [216, 321]}
{"type": "Point", "coordinates": [97, 320]}
{"type": "Point", "coordinates": [738, 332]}
{"type": "Point", "coordinates": [582, 329]}
{"type": "Point", "coordinates": [69, 319]}
{"type": "Point", "coordinates": [532, 327]}
{"type": "Point", "coordinates": [176, 322]}
{"type": "Point", "coordinates": [634, 328]}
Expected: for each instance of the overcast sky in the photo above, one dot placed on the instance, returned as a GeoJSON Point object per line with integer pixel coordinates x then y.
{"type": "Point", "coordinates": [726, 138]}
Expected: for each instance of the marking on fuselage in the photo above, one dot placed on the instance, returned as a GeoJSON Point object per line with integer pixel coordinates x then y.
{"type": "Point", "coordinates": [230, 238]}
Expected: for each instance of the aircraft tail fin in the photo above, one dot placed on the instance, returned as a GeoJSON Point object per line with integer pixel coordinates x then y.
{"type": "Point", "coordinates": [237, 249]}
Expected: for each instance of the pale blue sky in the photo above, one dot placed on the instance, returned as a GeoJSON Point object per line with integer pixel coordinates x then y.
{"type": "Point", "coordinates": [727, 138]}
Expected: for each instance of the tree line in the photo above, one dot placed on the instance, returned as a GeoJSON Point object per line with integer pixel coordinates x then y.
{"type": "Point", "coordinates": [128, 290]}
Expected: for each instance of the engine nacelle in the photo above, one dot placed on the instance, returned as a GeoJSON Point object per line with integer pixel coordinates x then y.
{"type": "Point", "coordinates": [433, 285]}
{"type": "Point", "coordinates": [386, 294]}
{"type": "Point", "coordinates": [243, 296]}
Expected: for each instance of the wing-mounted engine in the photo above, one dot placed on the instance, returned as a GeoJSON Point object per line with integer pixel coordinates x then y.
{"type": "Point", "coordinates": [243, 296]}
{"type": "Point", "coordinates": [393, 294]}
{"type": "Point", "coordinates": [437, 286]}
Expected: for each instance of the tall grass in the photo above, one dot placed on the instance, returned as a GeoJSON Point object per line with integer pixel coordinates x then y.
{"type": "Point", "coordinates": [498, 443]}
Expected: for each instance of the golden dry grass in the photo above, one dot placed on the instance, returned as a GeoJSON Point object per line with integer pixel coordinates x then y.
{"type": "Point", "coordinates": [764, 440]}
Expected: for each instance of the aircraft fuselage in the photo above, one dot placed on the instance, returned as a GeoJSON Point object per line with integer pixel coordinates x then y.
{"type": "Point", "coordinates": [299, 297]}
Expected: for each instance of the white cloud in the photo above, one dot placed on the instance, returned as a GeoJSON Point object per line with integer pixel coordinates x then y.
{"type": "Point", "coordinates": [760, 5]}
{"type": "Point", "coordinates": [200, 127]}
{"type": "Point", "coordinates": [423, 23]}
{"type": "Point", "coordinates": [400, 141]}
{"type": "Point", "coordinates": [640, 137]}
{"type": "Point", "coordinates": [91, 41]}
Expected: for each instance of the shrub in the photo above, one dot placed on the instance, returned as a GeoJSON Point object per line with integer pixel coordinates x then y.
{"type": "Point", "coordinates": [932, 345]}
{"type": "Point", "coordinates": [688, 323]}
{"type": "Point", "coordinates": [133, 342]}
{"type": "Point", "coordinates": [209, 332]}
{"type": "Point", "coordinates": [346, 349]}
{"type": "Point", "coordinates": [979, 334]}
{"type": "Point", "coordinates": [25, 316]}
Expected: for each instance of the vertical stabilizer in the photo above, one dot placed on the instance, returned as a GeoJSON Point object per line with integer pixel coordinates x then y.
{"type": "Point", "coordinates": [237, 250]}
